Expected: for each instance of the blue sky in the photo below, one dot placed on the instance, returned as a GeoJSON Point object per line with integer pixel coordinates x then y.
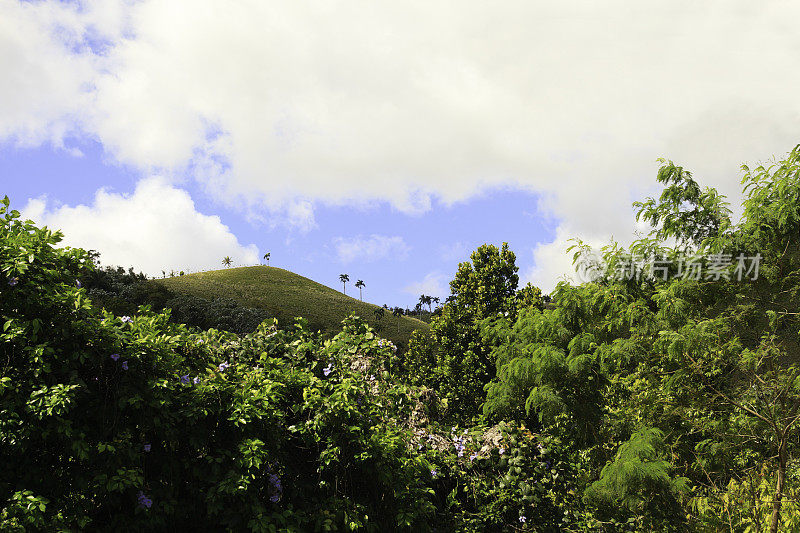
{"type": "Point", "coordinates": [385, 141]}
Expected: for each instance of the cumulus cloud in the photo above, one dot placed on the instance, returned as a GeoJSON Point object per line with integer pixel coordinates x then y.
{"type": "Point", "coordinates": [371, 248]}
{"type": "Point", "coordinates": [156, 228]}
{"type": "Point", "coordinates": [271, 104]}
{"type": "Point", "coordinates": [433, 284]}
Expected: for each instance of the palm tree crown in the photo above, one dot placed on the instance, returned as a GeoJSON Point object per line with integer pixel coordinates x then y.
{"type": "Point", "coordinates": [227, 261]}
{"type": "Point", "coordinates": [344, 278]}
{"type": "Point", "coordinates": [266, 258]}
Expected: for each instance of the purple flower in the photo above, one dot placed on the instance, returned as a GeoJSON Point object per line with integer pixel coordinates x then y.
{"type": "Point", "coordinates": [144, 501]}
{"type": "Point", "coordinates": [276, 481]}
{"type": "Point", "coordinates": [78, 283]}
{"type": "Point", "coordinates": [146, 447]}
{"type": "Point", "coordinates": [522, 519]}
{"type": "Point", "coordinates": [124, 365]}
{"type": "Point", "coordinates": [434, 472]}
{"type": "Point", "coordinates": [275, 497]}
{"type": "Point", "coordinates": [328, 369]}
{"type": "Point", "coordinates": [115, 356]}
{"type": "Point", "coordinates": [185, 379]}
{"type": "Point", "coordinates": [196, 380]}
{"type": "Point", "coordinates": [126, 318]}
{"type": "Point", "coordinates": [473, 456]}
{"type": "Point", "coordinates": [223, 366]}
{"type": "Point", "coordinates": [13, 282]}
{"type": "Point", "coordinates": [501, 450]}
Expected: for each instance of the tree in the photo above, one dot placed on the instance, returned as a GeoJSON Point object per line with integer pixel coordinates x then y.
{"type": "Point", "coordinates": [425, 300]}
{"type": "Point", "coordinates": [360, 284]}
{"type": "Point", "coordinates": [379, 312]}
{"type": "Point", "coordinates": [398, 312]}
{"type": "Point", "coordinates": [482, 288]}
{"type": "Point", "coordinates": [344, 278]}
{"type": "Point", "coordinates": [227, 261]}
{"type": "Point", "coordinates": [266, 258]}
{"type": "Point", "coordinates": [686, 376]}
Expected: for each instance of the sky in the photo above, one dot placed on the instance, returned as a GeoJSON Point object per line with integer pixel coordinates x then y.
{"type": "Point", "coordinates": [384, 140]}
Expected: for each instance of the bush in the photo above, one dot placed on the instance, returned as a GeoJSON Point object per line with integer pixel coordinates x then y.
{"type": "Point", "coordinates": [140, 424]}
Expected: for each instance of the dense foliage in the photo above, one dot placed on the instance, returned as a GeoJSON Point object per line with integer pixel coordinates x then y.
{"type": "Point", "coordinates": [141, 424]}
{"type": "Point", "coordinates": [664, 395]}
{"type": "Point", "coordinates": [674, 373]}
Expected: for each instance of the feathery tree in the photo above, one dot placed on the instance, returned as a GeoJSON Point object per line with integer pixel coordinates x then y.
{"type": "Point", "coordinates": [687, 364]}
{"type": "Point", "coordinates": [344, 278]}
{"type": "Point", "coordinates": [266, 258]}
{"type": "Point", "coordinates": [227, 261]}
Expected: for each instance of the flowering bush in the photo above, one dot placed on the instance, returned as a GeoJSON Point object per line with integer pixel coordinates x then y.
{"type": "Point", "coordinates": [140, 424]}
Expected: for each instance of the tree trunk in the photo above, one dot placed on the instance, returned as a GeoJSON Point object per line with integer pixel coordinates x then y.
{"type": "Point", "coordinates": [778, 499]}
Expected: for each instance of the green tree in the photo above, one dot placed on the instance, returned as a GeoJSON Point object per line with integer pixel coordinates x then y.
{"type": "Point", "coordinates": [266, 258]}
{"type": "Point", "coordinates": [227, 261]}
{"type": "Point", "coordinates": [360, 284]}
{"type": "Point", "coordinates": [685, 376]}
{"type": "Point", "coordinates": [344, 278]}
{"type": "Point", "coordinates": [398, 312]}
{"type": "Point", "coordinates": [482, 288]}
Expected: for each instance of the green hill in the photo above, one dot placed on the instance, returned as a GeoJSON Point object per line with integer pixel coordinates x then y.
{"type": "Point", "coordinates": [286, 295]}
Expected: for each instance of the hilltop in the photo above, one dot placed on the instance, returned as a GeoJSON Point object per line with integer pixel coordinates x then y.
{"type": "Point", "coordinates": [286, 295]}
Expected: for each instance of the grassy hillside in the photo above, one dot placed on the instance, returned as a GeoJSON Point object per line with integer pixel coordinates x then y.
{"type": "Point", "coordinates": [287, 295]}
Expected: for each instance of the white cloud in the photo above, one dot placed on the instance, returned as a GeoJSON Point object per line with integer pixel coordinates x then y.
{"type": "Point", "coordinates": [156, 228]}
{"type": "Point", "coordinates": [371, 248]}
{"type": "Point", "coordinates": [285, 105]}
{"type": "Point", "coordinates": [433, 284]}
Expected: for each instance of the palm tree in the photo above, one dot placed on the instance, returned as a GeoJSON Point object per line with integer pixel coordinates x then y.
{"type": "Point", "coordinates": [379, 313]}
{"type": "Point", "coordinates": [344, 278]}
{"type": "Point", "coordinates": [397, 311]}
{"type": "Point", "coordinates": [227, 261]}
{"type": "Point", "coordinates": [266, 258]}
{"type": "Point", "coordinates": [360, 284]}
{"type": "Point", "coordinates": [425, 300]}
{"type": "Point", "coordinates": [436, 300]}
